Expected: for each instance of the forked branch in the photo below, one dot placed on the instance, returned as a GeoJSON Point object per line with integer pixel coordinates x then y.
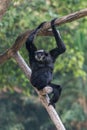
{"type": "Point", "coordinates": [43, 32]}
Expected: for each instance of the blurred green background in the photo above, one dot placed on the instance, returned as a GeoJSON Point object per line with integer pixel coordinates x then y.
{"type": "Point", "coordinates": [20, 108]}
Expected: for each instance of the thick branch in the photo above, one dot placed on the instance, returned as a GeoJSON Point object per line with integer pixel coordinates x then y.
{"type": "Point", "coordinates": [44, 31]}
{"type": "Point", "coordinates": [44, 99]}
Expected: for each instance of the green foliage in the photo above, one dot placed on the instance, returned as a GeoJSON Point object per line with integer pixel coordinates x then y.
{"type": "Point", "coordinates": [76, 115]}
{"type": "Point", "coordinates": [19, 112]}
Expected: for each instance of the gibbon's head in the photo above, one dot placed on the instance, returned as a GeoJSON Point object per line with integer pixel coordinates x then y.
{"type": "Point", "coordinates": [40, 55]}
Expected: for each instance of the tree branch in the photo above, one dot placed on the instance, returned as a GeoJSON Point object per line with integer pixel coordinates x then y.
{"type": "Point", "coordinates": [3, 7]}
{"type": "Point", "coordinates": [44, 99]}
{"type": "Point", "coordinates": [43, 32]}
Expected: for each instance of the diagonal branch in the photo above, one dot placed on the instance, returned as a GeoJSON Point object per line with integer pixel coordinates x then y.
{"type": "Point", "coordinates": [43, 32]}
{"type": "Point", "coordinates": [44, 99]}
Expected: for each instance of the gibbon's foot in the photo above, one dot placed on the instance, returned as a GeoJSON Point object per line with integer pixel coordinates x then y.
{"type": "Point", "coordinates": [52, 104]}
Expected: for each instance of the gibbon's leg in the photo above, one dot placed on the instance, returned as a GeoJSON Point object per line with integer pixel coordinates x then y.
{"type": "Point", "coordinates": [56, 93]}
{"type": "Point", "coordinates": [60, 45]}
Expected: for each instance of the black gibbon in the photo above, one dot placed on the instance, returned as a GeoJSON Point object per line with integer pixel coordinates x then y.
{"type": "Point", "coordinates": [42, 63]}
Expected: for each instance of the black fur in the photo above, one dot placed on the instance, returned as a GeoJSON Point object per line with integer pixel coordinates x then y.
{"type": "Point", "coordinates": [42, 71]}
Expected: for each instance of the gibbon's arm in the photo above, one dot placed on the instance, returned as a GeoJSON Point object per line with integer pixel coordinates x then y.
{"type": "Point", "coordinates": [30, 45]}
{"type": "Point", "coordinates": [30, 42]}
{"type": "Point", "coordinates": [60, 45]}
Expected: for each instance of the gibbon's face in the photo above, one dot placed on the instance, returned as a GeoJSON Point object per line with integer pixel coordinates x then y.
{"type": "Point", "coordinates": [40, 55]}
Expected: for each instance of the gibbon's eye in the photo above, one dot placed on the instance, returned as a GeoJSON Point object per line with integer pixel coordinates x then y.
{"type": "Point", "coordinates": [46, 54]}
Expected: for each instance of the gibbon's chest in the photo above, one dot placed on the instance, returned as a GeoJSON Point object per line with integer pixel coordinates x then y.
{"type": "Point", "coordinates": [37, 65]}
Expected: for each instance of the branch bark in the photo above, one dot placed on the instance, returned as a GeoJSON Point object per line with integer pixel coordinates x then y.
{"type": "Point", "coordinates": [3, 7]}
{"type": "Point", "coordinates": [44, 99]}
{"type": "Point", "coordinates": [43, 32]}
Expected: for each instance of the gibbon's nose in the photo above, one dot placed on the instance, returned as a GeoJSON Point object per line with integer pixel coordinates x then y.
{"type": "Point", "coordinates": [39, 56]}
